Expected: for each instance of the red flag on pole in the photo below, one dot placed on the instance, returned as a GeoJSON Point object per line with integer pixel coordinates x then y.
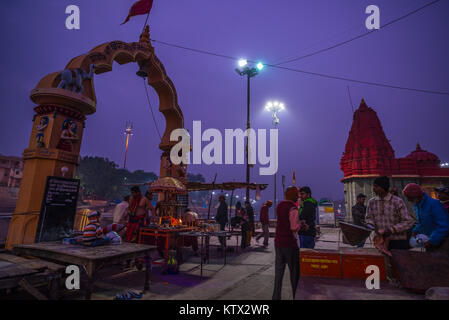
{"type": "Point", "coordinates": [138, 8]}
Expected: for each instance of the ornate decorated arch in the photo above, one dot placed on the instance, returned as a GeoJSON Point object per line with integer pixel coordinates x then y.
{"type": "Point", "coordinates": [64, 99]}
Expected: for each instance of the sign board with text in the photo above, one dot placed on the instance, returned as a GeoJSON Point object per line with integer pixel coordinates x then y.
{"type": "Point", "coordinates": [58, 209]}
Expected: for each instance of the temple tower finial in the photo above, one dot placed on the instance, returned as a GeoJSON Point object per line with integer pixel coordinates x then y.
{"type": "Point", "coordinates": [145, 36]}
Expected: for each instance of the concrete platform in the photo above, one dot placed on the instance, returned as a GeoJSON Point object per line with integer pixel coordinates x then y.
{"type": "Point", "coordinates": [249, 275]}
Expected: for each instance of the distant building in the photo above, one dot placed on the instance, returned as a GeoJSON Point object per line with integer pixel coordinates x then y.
{"type": "Point", "coordinates": [368, 154]}
{"type": "Point", "coordinates": [11, 169]}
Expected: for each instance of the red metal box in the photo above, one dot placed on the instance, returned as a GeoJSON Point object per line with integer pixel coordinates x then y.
{"type": "Point", "coordinates": [320, 263]}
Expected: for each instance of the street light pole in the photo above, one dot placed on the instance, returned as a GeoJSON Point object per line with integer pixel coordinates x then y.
{"type": "Point", "coordinates": [248, 126]}
{"type": "Point", "coordinates": [250, 72]}
{"type": "Point", "coordinates": [274, 108]}
{"type": "Point", "coordinates": [274, 200]}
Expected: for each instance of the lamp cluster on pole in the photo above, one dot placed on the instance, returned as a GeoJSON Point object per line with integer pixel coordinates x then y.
{"type": "Point", "coordinates": [249, 71]}
{"type": "Point", "coordinates": [274, 107]}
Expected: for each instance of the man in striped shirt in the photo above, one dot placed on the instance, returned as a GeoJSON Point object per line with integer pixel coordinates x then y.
{"type": "Point", "coordinates": [93, 232]}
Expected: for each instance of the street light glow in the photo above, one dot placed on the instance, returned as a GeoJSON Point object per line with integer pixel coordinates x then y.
{"type": "Point", "coordinates": [260, 66]}
{"type": "Point", "coordinates": [274, 107]}
{"type": "Point", "coordinates": [242, 63]}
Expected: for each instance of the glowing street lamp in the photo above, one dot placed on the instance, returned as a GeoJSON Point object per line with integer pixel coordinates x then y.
{"type": "Point", "coordinates": [242, 63]}
{"type": "Point", "coordinates": [274, 107]}
{"type": "Point", "coordinates": [249, 71]}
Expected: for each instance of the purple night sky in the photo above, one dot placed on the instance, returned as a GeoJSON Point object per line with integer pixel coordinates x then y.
{"type": "Point", "coordinates": [313, 130]}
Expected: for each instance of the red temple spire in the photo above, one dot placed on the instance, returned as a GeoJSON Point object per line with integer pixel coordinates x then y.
{"type": "Point", "coordinates": [367, 150]}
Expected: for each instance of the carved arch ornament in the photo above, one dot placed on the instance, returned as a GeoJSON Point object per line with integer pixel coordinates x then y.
{"type": "Point", "coordinates": [103, 56]}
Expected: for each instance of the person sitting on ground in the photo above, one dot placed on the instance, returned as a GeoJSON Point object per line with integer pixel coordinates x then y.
{"type": "Point", "coordinates": [93, 232]}
{"type": "Point", "coordinates": [433, 219]}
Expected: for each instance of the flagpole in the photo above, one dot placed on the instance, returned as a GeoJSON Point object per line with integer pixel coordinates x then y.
{"type": "Point", "coordinates": [146, 21]}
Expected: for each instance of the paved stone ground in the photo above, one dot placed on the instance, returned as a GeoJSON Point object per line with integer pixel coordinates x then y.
{"type": "Point", "coordinates": [248, 275]}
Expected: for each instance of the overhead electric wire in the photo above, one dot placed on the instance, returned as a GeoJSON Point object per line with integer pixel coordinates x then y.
{"type": "Point", "coordinates": [151, 108]}
{"type": "Point", "coordinates": [378, 84]}
{"type": "Point", "coordinates": [309, 72]}
{"type": "Point", "coordinates": [319, 51]}
{"type": "Point", "coordinates": [195, 50]}
{"type": "Point", "coordinates": [359, 36]}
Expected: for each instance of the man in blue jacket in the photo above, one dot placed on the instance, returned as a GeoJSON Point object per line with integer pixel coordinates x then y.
{"type": "Point", "coordinates": [433, 220]}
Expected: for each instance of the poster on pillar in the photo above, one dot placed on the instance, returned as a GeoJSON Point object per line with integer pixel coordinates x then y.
{"type": "Point", "coordinates": [58, 209]}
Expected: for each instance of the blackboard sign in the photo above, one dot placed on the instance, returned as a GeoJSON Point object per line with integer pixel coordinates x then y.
{"type": "Point", "coordinates": [58, 209]}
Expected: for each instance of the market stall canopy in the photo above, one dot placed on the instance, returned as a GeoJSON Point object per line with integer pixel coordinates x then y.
{"type": "Point", "coordinates": [167, 184]}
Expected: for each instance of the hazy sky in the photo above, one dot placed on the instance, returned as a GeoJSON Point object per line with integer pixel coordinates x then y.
{"type": "Point", "coordinates": [313, 130]}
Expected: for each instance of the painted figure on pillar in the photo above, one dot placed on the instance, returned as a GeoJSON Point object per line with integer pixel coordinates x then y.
{"type": "Point", "coordinates": [68, 135]}
{"type": "Point", "coordinates": [43, 124]}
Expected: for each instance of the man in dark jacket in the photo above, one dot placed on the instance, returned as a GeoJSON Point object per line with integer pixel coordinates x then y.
{"type": "Point", "coordinates": [359, 213]}
{"type": "Point", "coordinates": [359, 210]}
{"type": "Point", "coordinates": [222, 215]}
{"type": "Point", "coordinates": [307, 214]}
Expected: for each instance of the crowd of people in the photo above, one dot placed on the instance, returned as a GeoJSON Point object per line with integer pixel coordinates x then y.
{"type": "Point", "coordinates": [395, 227]}
{"type": "Point", "coordinates": [386, 215]}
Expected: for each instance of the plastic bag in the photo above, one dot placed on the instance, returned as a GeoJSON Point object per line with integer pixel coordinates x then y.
{"type": "Point", "coordinates": [114, 237]}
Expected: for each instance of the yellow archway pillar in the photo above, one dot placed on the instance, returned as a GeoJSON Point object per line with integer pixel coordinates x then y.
{"type": "Point", "coordinates": [56, 136]}
{"type": "Point", "coordinates": [53, 150]}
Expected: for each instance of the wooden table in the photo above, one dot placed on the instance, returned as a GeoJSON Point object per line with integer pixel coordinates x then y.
{"type": "Point", "coordinates": [28, 274]}
{"type": "Point", "coordinates": [169, 235]}
{"type": "Point", "coordinates": [92, 259]}
{"type": "Point", "coordinates": [205, 243]}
